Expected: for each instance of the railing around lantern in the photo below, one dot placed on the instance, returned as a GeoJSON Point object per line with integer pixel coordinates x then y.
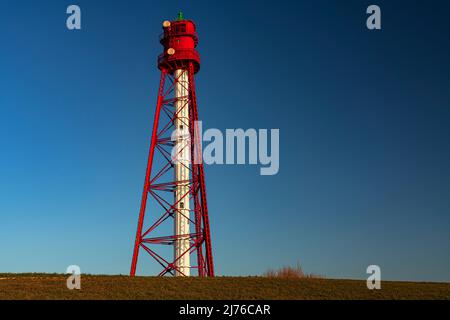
{"type": "Point", "coordinates": [180, 54]}
{"type": "Point", "coordinates": [178, 33]}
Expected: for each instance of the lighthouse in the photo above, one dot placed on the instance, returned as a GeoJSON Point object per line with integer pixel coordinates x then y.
{"type": "Point", "coordinates": [177, 188]}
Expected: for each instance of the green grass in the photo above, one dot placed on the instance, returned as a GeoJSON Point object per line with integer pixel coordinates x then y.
{"type": "Point", "coordinates": [48, 286]}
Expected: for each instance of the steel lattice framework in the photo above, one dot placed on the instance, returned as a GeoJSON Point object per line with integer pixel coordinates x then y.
{"type": "Point", "coordinates": [159, 182]}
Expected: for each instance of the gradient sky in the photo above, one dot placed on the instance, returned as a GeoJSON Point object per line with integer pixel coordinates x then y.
{"type": "Point", "coordinates": [363, 117]}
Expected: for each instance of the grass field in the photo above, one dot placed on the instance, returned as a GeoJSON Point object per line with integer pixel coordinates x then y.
{"type": "Point", "coordinates": [34, 286]}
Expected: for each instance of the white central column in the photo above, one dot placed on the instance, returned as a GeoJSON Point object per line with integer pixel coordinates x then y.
{"type": "Point", "coordinates": [182, 164]}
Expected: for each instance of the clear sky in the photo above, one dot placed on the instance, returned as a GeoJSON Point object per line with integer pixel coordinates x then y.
{"type": "Point", "coordinates": [363, 117]}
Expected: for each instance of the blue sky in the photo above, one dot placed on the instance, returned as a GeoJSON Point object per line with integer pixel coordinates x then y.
{"type": "Point", "coordinates": [363, 117]}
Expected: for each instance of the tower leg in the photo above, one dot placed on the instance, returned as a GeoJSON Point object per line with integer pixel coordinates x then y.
{"type": "Point", "coordinates": [147, 175]}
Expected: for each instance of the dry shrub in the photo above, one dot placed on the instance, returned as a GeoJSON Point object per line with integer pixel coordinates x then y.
{"type": "Point", "coordinates": [290, 272]}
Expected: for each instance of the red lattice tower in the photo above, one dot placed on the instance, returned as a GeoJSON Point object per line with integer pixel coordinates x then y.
{"type": "Point", "coordinates": [177, 187]}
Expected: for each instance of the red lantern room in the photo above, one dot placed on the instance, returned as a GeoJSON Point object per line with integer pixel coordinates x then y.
{"type": "Point", "coordinates": [179, 40]}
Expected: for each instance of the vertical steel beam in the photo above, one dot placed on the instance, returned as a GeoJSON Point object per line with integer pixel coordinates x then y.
{"type": "Point", "coordinates": [148, 174]}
